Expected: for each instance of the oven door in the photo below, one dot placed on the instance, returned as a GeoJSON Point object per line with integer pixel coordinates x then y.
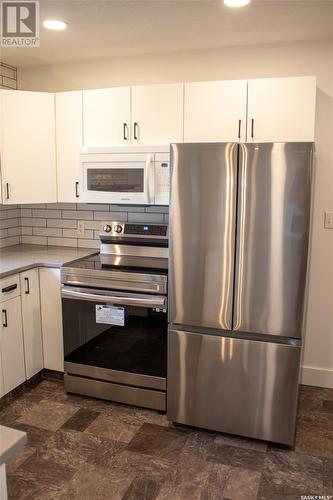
{"type": "Point", "coordinates": [117, 337]}
{"type": "Point", "coordinates": [117, 178]}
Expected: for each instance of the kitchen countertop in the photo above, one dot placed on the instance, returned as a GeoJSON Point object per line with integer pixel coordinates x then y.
{"type": "Point", "coordinates": [18, 258]}
{"type": "Point", "coordinates": [11, 441]}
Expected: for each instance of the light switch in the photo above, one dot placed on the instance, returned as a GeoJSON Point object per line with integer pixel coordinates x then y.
{"type": "Point", "coordinates": [328, 220]}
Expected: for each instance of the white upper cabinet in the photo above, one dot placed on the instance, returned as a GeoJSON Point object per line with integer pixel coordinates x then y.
{"type": "Point", "coordinates": [106, 117]}
{"type": "Point", "coordinates": [157, 114]}
{"type": "Point", "coordinates": [68, 140]}
{"type": "Point", "coordinates": [28, 147]}
{"type": "Point", "coordinates": [215, 111]}
{"type": "Point", "coordinates": [281, 109]}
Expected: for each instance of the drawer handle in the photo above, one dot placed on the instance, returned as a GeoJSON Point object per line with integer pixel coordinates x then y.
{"type": "Point", "coordinates": [27, 286]}
{"type": "Point", "coordinates": [4, 317]}
{"type": "Point", "coordinates": [9, 288]}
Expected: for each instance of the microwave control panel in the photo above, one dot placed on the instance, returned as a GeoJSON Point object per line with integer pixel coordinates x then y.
{"type": "Point", "coordinates": [162, 180]}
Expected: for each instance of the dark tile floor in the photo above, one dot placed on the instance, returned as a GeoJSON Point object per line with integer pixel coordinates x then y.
{"type": "Point", "coordinates": [81, 448]}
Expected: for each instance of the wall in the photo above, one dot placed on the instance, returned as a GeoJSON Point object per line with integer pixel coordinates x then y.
{"type": "Point", "coordinates": [56, 223]}
{"type": "Point", "coordinates": [10, 226]}
{"type": "Point", "coordinates": [290, 59]}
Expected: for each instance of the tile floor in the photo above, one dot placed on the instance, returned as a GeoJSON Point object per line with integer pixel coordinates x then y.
{"type": "Point", "coordinates": [87, 449]}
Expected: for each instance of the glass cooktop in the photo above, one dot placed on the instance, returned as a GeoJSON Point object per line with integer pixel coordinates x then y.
{"type": "Point", "coordinates": [107, 262]}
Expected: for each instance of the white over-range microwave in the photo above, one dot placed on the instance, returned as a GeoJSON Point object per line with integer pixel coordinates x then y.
{"type": "Point", "coordinates": [125, 178]}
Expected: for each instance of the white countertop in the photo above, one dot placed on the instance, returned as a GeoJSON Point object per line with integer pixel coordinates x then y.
{"type": "Point", "coordinates": [11, 441]}
{"type": "Point", "coordinates": [18, 258]}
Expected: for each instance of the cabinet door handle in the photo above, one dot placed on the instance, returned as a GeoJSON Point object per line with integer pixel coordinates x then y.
{"type": "Point", "coordinates": [7, 191]}
{"type": "Point", "coordinates": [239, 128]}
{"type": "Point", "coordinates": [9, 288]}
{"type": "Point", "coordinates": [27, 286]}
{"type": "Point", "coordinates": [125, 131]}
{"type": "Point", "coordinates": [252, 128]}
{"type": "Point", "coordinates": [136, 129]}
{"type": "Point", "coordinates": [77, 190]}
{"type": "Point", "coordinates": [4, 318]}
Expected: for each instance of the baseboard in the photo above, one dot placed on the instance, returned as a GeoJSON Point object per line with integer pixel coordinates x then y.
{"type": "Point", "coordinates": [319, 377]}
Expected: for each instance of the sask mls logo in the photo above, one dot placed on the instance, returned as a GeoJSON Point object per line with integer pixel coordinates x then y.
{"type": "Point", "coordinates": [20, 24]}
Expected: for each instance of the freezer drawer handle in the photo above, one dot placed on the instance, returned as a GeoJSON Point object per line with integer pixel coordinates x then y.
{"type": "Point", "coordinates": [114, 299]}
{"type": "Point", "coordinates": [4, 317]}
{"type": "Point", "coordinates": [9, 288]}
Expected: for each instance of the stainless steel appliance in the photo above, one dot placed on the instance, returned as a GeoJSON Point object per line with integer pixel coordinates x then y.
{"type": "Point", "coordinates": [114, 307]}
{"type": "Point", "coordinates": [140, 177]}
{"type": "Point", "coordinates": [238, 257]}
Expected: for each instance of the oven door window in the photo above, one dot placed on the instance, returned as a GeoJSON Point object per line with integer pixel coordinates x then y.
{"type": "Point", "coordinates": [140, 346]}
{"type": "Point", "coordinates": [116, 180]}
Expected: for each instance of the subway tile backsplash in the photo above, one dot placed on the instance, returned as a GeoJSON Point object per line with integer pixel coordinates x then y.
{"type": "Point", "coordinates": [57, 223]}
{"type": "Point", "coordinates": [10, 225]}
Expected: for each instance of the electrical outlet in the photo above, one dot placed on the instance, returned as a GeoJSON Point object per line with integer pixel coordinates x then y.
{"type": "Point", "coordinates": [80, 228]}
{"type": "Point", "coordinates": [328, 220]}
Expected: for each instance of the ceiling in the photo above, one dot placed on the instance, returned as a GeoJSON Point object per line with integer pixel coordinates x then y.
{"type": "Point", "coordinates": [115, 28]}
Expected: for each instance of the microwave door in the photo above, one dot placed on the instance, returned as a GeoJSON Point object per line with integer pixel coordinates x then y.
{"type": "Point", "coordinates": [150, 180]}
{"type": "Point", "coordinates": [107, 182]}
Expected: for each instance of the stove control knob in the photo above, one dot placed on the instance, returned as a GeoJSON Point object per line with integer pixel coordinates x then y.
{"type": "Point", "coordinates": [118, 228]}
{"type": "Point", "coordinates": [107, 228]}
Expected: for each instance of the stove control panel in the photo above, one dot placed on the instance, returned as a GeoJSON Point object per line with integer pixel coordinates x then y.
{"type": "Point", "coordinates": [125, 230]}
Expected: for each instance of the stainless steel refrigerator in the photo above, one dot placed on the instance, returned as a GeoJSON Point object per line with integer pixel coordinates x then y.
{"type": "Point", "coordinates": [239, 226]}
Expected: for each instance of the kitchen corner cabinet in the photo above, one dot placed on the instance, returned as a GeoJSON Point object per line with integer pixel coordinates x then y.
{"type": "Point", "coordinates": [215, 111]}
{"type": "Point", "coordinates": [28, 147]}
{"type": "Point", "coordinates": [11, 344]}
{"type": "Point", "coordinates": [157, 114]}
{"type": "Point", "coordinates": [281, 109]}
{"type": "Point", "coordinates": [68, 110]}
{"type": "Point", "coordinates": [106, 117]}
{"type": "Point", "coordinates": [49, 280]}
{"type": "Point", "coordinates": [32, 326]}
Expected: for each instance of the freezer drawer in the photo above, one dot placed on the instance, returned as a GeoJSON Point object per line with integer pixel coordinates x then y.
{"type": "Point", "coordinates": [237, 386]}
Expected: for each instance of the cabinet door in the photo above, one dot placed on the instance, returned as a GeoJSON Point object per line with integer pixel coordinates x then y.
{"type": "Point", "coordinates": [2, 389]}
{"type": "Point", "coordinates": [157, 114]}
{"type": "Point", "coordinates": [215, 111]}
{"type": "Point", "coordinates": [11, 342]}
{"type": "Point", "coordinates": [50, 295]}
{"type": "Point", "coordinates": [68, 140]}
{"type": "Point", "coordinates": [106, 117]}
{"type": "Point", "coordinates": [281, 109]}
{"type": "Point", "coordinates": [32, 327]}
{"type": "Point", "coordinates": [28, 149]}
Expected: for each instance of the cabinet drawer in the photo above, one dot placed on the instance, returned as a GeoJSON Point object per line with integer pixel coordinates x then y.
{"type": "Point", "coordinates": [10, 287]}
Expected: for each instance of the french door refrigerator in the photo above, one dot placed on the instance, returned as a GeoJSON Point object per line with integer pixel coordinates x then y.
{"type": "Point", "coordinates": [239, 225]}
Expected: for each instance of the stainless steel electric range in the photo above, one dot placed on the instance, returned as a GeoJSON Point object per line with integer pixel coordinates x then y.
{"type": "Point", "coordinates": [114, 307]}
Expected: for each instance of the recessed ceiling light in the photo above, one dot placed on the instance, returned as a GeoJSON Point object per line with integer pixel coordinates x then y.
{"type": "Point", "coordinates": [236, 3]}
{"type": "Point", "coordinates": [54, 24]}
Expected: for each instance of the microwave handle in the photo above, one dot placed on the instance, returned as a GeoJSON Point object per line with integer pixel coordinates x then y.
{"type": "Point", "coordinates": [158, 301]}
{"type": "Point", "coordinates": [150, 179]}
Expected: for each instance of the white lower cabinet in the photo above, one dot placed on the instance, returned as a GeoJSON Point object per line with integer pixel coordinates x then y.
{"type": "Point", "coordinates": [11, 341]}
{"type": "Point", "coordinates": [50, 295]}
{"type": "Point", "coordinates": [32, 326]}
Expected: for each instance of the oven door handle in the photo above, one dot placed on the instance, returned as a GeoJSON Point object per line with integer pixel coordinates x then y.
{"type": "Point", "coordinates": [128, 300]}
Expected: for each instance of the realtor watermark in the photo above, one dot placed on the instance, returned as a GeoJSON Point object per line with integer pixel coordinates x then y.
{"type": "Point", "coordinates": [19, 23]}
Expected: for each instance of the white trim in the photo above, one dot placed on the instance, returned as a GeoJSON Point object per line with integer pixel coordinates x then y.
{"type": "Point", "coordinates": [320, 377]}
